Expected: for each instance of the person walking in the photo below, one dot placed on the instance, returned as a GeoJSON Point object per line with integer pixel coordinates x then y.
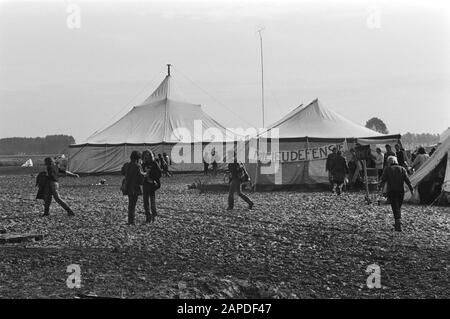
{"type": "Point", "coordinates": [133, 181]}
{"type": "Point", "coordinates": [237, 171]}
{"type": "Point", "coordinates": [339, 169]}
{"type": "Point", "coordinates": [328, 164]}
{"type": "Point", "coordinates": [151, 183]}
{"type": "Point", "coordinates": [395, 176]}
{"type": "Point", "coordinates": [51, 189]}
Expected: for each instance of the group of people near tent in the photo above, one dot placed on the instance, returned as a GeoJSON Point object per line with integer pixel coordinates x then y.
{"type": "Point", "coordinates": [392, 169]}
{"type": "Point", "coordinates": [305, 136]}
{"type": "Point", "coordinates": [142, 177]}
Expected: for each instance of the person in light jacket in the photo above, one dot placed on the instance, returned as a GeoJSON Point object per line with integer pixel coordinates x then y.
{"type": "Point", "coordinates": [420, 159]}
{"type": "Point", "coordinates": [379, 161]}
{"type": "Point", "coordinates": [236, 169]}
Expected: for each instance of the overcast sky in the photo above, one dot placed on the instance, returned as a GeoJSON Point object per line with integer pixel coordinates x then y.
{"type": "Point", "coordinates": [389, 59]}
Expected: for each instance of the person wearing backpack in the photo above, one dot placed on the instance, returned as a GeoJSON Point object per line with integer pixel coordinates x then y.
{"type": "Point", "coordinates": [152, 182]}
{"type": "Point", "coordinates": [51, 189]}
{"type": "Point", "coordinates": [131, 186]}
{"type": "Point", "coordinates": [238, 174]}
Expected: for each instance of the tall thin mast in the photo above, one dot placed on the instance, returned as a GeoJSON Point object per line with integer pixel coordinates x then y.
{"type": "Point", "coordinates": [168, 69]}
{"type": "Point", "coordinates": [262, 75]}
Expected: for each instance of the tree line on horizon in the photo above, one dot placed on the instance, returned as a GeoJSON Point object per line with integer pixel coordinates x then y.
{"type": "Point", "coordinates": [50, 144]}
{"type": "Point", "coordinates": [59, 144]}
{"type": "Point", "coordinates": [409, 140]}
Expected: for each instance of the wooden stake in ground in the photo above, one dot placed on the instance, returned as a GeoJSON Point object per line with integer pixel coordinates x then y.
{"type": "Point", "coordinates": [366, 181]}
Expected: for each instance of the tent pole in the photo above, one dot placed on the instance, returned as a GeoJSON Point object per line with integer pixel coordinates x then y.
{"type": "Point", "coordinates": [262, 75]}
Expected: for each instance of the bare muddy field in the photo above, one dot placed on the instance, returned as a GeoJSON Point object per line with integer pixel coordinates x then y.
{"type": "Point", "coordinates": [291, 245]}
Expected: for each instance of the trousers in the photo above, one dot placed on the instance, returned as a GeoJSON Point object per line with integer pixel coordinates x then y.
{"type": "Point", "coordinates": [149, 194]}
{"type": "Point", "coordinates": [132, 201]}
{"type": "Point", "coordinates": [54, 193]}
{"type": "Point", "coordinates": [235, 187]}
{"type": "Point", "coordinates": [396, 200]}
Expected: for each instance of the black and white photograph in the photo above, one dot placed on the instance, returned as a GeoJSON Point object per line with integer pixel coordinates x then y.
{"type": "Point", "coordinates": [228, 157]}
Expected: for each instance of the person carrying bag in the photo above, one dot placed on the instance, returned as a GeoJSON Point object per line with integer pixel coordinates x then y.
{"type": "Point", "coordinates": [238, 175]}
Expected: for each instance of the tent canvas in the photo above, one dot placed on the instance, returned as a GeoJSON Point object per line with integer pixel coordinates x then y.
{"type": "Point", "coordinates": [161, 122]}
{"type": "Point", "coordinates": [306, 137]}
{"type": "Point", "coordinates": [434, 171]}
{"type": "Point", "coordinates": [28, 163]}
{"type": "Point", "coordinates": [444, 135]}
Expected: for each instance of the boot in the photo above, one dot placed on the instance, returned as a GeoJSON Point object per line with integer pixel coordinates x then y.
{"type": "Point", "coordinates": [398, 225]}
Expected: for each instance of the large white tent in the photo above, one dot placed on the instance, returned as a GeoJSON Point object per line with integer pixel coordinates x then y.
{"type": "Point", "coordinates": [160, 123]}
{"type": "Point", "coordinates": [306, 136]}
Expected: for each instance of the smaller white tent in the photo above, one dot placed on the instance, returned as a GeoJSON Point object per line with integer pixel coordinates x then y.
{"type": "Point", "coordinates": [432, 173]}
{"type": "Point", "coordinates": [28, 163]}
{"type": "Point", "coordinates": [299, 143]}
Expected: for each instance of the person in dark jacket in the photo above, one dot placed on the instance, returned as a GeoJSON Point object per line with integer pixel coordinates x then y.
{"type": "Point", "coordinates": [152, 182]}
{"type": "Point", "coordinates": [52, 189]}
{"type": "Point", "coordinates": [236, 169]}
{"type": "Point", "coordinates": [399, 153]}
{"type": "Point", "coordinates": [388, 153]}
{"type": "Point", "coordinates": [134, 178]}
{"type": "Point", "coordinates": [395, 176]}
{"type": "Point", "coordinates": [329, 162]}
{"type": "Point", "coordinates": [339, 169]}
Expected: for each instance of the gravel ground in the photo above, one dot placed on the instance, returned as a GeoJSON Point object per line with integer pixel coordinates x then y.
{"type": "Point", "coordinates": [291, 245]}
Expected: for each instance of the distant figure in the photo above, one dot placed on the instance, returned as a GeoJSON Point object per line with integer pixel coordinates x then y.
{"type": "Point", "coordinates": [420, 159]}
{"type": "Point", "coordinates": [133, 179]}
{"type": "Point", "coordinates": [339, 169]}
{"type": "Point", "coordinates": [354, 169]}
{"type": "Point", "coordinates": [214, 162]}
{"type": "Point", "coordinates": [205, 164]}
{"type": "Point", "coordinates": [51, 190]}
{"type": "Point", "coordinates": [395, 176]}
{"type": "Point", "coordinates": [151, 184]}
{"type": "Point", "coordinates": [166, 167]}
{"type": "Point", "coordinates": [388, 153]}
{"type": "Point", "coordinates": [237, 172]}
{"type": "Point", "coordinates": [399, 153]}
{"type": "Point", "coordinates": [61, 162]}
{"type": "Point", "coordinates": [328, 164]}
{"type": "Point", "coordinates": [379, 161]}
